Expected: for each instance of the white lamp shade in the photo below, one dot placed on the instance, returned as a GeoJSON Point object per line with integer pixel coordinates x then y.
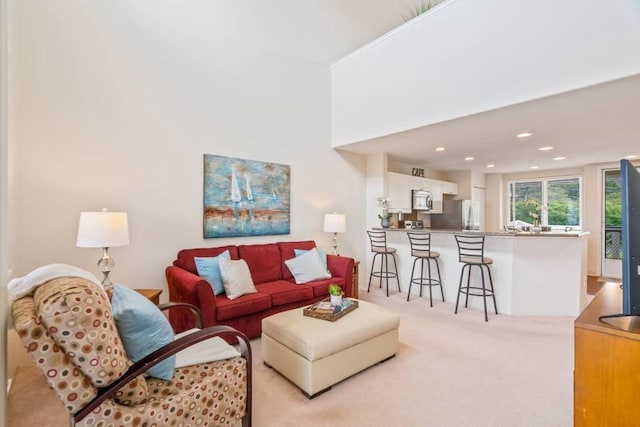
{"type": "Point", "coordinates": [335, 223]}
{"type": "Point", "coordinates": [102, 229]}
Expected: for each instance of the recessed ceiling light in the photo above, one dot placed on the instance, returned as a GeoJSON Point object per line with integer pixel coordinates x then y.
{"type": "Point", "coordinates": [631, 156]}
{"type": "Point", "coordinates": [559, 158]}
{"type": "Point", "coordinates": [468, 158]}
{"type": "Point", "coordinates": [533, 167]}
{"type": "Point", "coordinates": [524, 135]}
{"type": "Point", "coordinates": [491, 165]}
{"type": "Point", "coordinates": [439, 148]}
{"type": "Point", "coordinates": [547, 148]}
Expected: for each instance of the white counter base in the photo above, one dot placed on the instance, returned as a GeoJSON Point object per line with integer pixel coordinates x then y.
{"type": "Point", "coordinates": [534, 275]}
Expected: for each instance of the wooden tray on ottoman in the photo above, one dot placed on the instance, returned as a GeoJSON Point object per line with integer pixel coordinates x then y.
{"type": "Point", "coordinates": [348, 305]}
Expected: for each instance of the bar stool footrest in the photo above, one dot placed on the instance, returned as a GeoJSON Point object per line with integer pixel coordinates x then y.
{"type": "Point", "coordinates": [425, 282]}
{"type": "Point", "coordinates": [480, 291]}
{"type": "Point", "coordinates": [384, 274]}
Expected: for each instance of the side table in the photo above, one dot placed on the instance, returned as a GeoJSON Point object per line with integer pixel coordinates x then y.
{"type": "Point", "coordinates": [355, 286]}
{"type": "Point", "coordinates": [152, 294]}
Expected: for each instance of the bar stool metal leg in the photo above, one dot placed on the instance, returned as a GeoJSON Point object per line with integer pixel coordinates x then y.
{"type": "Point", "coordinates": [493, 294]}
{"type": "Point", "coordinates": [439, 279]}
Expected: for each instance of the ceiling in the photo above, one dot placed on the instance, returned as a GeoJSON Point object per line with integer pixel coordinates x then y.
{"type": "Point", "coordinates": [596, 124]}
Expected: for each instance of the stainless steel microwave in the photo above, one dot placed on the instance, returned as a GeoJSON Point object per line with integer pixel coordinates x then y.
{"type": "Point", "coordinates": [422, 200]}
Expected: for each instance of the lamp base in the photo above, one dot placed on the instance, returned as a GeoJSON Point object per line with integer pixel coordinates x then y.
{"type": "Point", "coordinates": [106, 264]}
{"type": "Point", "coordinates": [334, 243]}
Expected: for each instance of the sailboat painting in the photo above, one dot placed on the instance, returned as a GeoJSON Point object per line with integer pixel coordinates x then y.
{"type": "Point", "coordinates": [245, 197]}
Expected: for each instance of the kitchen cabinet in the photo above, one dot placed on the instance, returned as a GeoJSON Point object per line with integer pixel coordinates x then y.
{"type": "Point", "coordinates": [400, 186]}
{"type": "Point", "coordinates": [449, 188]}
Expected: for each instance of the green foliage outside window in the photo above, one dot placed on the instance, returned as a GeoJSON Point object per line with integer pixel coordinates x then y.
{"type": "Point", "coordinates": [612, 200]}
{"type": "Point", "coordinates": [562, 201]}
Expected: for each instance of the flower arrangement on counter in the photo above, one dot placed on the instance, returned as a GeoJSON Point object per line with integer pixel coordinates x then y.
{"type": "Point", "coordinates": [384, 202]}
{"type": "Point", "coordinates": [535, 211]}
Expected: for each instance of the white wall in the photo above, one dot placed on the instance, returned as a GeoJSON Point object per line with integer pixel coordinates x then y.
{"type": "Point", "coordinates": [495, 199]}
{"type": "Point", "coordinates": [4, 199]}
{"type": "Point", "coordinates": [114, 103]}
{"type": "Point", "coordinates": [455, 61]}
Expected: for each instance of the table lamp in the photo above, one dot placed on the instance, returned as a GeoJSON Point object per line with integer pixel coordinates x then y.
{"type": "Point", "coordinates": [335, 223]}
{"type": "Point", "coordinates": [103, 230]}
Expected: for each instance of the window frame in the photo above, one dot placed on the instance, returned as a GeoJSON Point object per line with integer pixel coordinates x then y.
{"type": "Point", "coordinates": [544, 181]}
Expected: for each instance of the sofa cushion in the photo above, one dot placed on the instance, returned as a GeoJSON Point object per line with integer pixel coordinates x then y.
{"type": "Point", "coordinates": [283, 292]}
{"type": "Point", "coordinates": [307, 267]}
{"type": "Point", "coordinates": [263, 260]}
{"type": "Point", "coordinates": [321, 252]}
{"type": "Point", "coordinates": [186, 257]}
{"type": "Point", "coordinates": [236, 278]}
{"type": "Point", "coordinates": [209, 270]}
{"type": "Point", "coordinates": [321, 287]}
{"type": "Point", "coordinates": [287, 252]}
{"type": "Point", "coordinates": [251, 303]}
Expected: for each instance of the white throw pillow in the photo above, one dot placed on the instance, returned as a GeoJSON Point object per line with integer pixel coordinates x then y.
{"type": "Point", "coordinates": [236, 278]}
{"type": "Point", "coordinates": [307, 267]}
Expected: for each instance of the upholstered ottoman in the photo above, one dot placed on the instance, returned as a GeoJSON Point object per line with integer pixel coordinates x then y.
{"type": "Point", "coordinates": [315, 354]}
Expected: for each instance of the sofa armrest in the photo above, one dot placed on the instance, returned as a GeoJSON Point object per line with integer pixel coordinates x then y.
{"type": "Point", "coordinates": [189, 288]}
{"type": "Point", "coordinates": [340, 266]}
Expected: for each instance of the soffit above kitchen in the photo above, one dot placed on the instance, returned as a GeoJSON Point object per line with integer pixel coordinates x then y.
{"type": "Point", "coordinates": [469, 76]}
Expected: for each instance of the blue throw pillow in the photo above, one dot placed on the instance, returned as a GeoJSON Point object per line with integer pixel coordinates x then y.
{"type": "Point", "coordinates": [142, 328]}
{"type": "Point", "coordinates": [321, 252]}
{"type": "Point", "coordinates": [209, 269]}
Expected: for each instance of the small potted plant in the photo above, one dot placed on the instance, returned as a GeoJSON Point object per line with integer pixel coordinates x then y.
{"type": "Point", "coordinates": [385, 217]}
{"type": "Point", "coordinates": [335, 291]}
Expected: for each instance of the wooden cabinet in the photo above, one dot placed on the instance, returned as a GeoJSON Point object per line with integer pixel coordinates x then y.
{"type": "Point", "coordinates": [607, 355]}
{"type": "Point", "coordinates": [152, 294]}
{"type": "Point", "coordinates": [355, 284]}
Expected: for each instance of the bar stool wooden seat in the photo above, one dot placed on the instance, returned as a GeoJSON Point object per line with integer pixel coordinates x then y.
{"type": "Point", "coordinates": [471, 254]}
{"type": "Point", "coordinates": [379, 247]}
{"type": "Point", "coordinates": [421, 250]}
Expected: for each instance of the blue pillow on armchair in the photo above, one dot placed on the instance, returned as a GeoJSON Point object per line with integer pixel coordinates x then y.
{"type": "Point", "coordinates": [142, 328]}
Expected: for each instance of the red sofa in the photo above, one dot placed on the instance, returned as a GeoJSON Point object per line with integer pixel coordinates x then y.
{"type": "Point", "coordinates": [277, 290]}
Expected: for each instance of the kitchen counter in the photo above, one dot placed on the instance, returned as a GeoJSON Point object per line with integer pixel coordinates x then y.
{"type": "Point", "coordinates": [534, 274]}
{"type": "Point", "coordinates": [489, 233]}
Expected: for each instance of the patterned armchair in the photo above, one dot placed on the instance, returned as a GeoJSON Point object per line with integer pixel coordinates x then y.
{"type": "Point", "coordinates": [67, 327]}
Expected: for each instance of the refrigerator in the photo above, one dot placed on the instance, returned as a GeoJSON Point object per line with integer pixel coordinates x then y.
{"type": "Point", "coordinates": [457, 215]}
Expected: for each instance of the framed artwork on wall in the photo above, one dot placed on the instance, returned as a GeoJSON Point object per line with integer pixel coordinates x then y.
{"type": "Point", "coordinates": [245, 197]}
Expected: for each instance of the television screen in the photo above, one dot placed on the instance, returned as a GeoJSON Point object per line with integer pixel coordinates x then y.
{"type": "Point", "coordinates": [630, 181]}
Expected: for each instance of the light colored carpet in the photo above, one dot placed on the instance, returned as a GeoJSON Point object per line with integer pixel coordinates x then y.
{"type": "Point", "coordinates": [451, 370]}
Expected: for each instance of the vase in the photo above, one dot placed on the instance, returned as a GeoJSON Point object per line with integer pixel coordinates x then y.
{"type": "Point", "coordinates": [336, 299]}
{"type": "Point", "coordinates": [385, 222]}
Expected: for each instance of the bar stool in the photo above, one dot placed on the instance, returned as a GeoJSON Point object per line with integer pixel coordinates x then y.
{"type": "Point", "coordinates": [471, 253]}
{"type": "Point", "coordinates": [379, 247]}
{"type": "Point", "coordinates": [421, 250]}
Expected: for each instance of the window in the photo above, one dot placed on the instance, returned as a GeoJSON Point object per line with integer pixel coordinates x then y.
{"type": "Point", "coordinates": [553, 201]}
